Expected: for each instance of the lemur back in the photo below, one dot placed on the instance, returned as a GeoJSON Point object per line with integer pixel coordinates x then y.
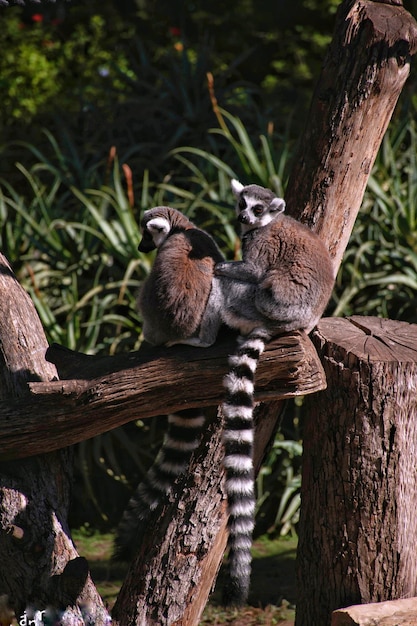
{"type": "Point", "coordinates": [175, 296]}
{"type": "Point", "coordinates": [283, 283]}
{"type": "Point", "coordinates": [178, 305]}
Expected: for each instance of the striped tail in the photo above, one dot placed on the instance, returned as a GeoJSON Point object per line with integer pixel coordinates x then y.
{"type": "Point", "coordinates": [238, 461]}
{"type": "Point", "coordinates": [181, 439]}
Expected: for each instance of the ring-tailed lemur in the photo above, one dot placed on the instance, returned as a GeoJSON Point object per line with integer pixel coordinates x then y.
{"type": "Point", "coordinates": [179, 304]}
{"type": "Point", "coordinates": [283, 283]}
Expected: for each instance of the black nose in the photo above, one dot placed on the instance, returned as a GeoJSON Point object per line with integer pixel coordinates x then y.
{"type": "Point", "coordinates": [243, 218]}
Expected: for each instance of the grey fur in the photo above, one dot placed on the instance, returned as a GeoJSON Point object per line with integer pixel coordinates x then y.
{"type": "Point", "coordinates": [283, 283]}
{"type": "Point", "coordinates": [285, 278]}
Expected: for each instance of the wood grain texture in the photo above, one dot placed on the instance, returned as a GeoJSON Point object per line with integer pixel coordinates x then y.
{"type": "Point", "coordinates": [111, 391]}
{"type": "Point", "coordinates": [393, 613]}
{"type": "Point", "coordinates": [358, 526]}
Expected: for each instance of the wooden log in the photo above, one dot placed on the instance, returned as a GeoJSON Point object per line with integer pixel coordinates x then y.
{"type": "Point", "coordinates": [38, 561]}
{"type": "Point", "coordinates": [116, 390]}
{"type": "Point", "coordinates": [393, 613]}
{"type": "Point", "coordinates": [358, 526]}
{"type": "Point", "coordinates": [363, 74]}
{"type": "Point", "coordinates": [192, 539]}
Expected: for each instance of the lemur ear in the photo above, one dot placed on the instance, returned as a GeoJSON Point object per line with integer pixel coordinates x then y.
{"type": "Point", "coordinates": [236, 186]}
{"type": "Point", "coordinates": [277, 205]}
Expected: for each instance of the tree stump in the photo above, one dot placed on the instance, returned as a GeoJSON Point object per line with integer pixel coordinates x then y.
{"type": "Point", "coordinates": [393, 613]}
{"type": "Point", "coordinates": [358, 525]}
{"type": "Point", "coordinates": [39, 565]}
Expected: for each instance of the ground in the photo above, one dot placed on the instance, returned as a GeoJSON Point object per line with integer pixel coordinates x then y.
{"type": "Point", "coordinates": [273, 591]}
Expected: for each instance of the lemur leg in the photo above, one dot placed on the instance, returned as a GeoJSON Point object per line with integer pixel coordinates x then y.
{"type": "Point", "coordinates": [239, 309]}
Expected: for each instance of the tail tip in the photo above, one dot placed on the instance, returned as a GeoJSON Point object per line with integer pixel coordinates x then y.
{"type": "Point", "coordinates": [120, 554]}
{"type": "Point", "coordinates": [235, 593]}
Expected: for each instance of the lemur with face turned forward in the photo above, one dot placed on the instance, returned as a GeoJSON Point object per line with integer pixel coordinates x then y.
{"type": "Point", "coordinates": [179, 304]}
{"type": "Point", "coordinates": [283, 283]}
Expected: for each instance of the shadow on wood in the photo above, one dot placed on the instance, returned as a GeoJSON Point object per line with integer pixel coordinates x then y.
{"type": "Point", "coordinates": [106, 392]}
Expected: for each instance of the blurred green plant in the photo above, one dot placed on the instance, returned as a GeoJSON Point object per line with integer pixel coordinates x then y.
{"type": "Point", "coordinates": [278, 489]}
{"type": "Point", "coordinates": [45, 68]}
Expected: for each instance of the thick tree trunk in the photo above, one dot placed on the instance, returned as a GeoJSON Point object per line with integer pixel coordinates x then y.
{"type": "Point", "coordinates": [358, 526]}
{"type": "Point", "coordinates": [363, 74]}
{"type": "Point", "coordinates": [171, 577]}
{"type": "Point", "coordinates": [39, 566]}
{"type": "Point", "coordinates": [365, 70]}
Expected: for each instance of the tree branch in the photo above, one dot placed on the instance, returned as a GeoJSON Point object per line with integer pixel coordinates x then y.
{"type": "Point", "coordinates": [116, 390]}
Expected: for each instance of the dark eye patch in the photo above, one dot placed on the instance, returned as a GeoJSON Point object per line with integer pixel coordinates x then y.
{"type": "Point", "coordinates": [242, 204]}
{"type": "Point", "coordinates": [258, 209]}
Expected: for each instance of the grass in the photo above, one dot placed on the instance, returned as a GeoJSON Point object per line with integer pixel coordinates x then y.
{"type": "Point", "coordinates": [273, 590]}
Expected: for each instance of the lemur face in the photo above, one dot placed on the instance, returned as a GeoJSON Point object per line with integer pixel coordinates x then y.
{"type": "Point", "coordinates": [253, 213]}
{"type": "Point", "coordinates": [256, 207]}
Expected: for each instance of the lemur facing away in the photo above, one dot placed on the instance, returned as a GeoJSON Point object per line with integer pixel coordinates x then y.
{"type": "Point", "coordinates": [177, 301]}
{"type": "Point", "coordinates": [283, 283]}
{"type": "Point", "coordinates": [174, 298]}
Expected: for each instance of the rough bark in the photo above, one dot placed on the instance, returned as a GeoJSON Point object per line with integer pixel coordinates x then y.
{"type": "Point", "coordinates": [174, 589]}
{"type": "Point", "coordinates": [358, 526]}
{"type": "Point", "coordinates": [363, 74]}
{"type": "Point", "coordinates": [39, 565]}
{"type": "Point", "coordinates": [115, 390]}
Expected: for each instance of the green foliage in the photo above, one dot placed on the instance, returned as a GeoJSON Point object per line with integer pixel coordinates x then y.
{"type": "Point", "coordinates": [133, 74]}
{"type": "Point", "coordinates": [45, 68]}
{"type": "Point", "coordinates": [278, 488]}
{"type": "Point", "coordinates": [204, 185]}
{"type": "Point", "coordinates": [28, 72]}
{"type": "Point", "coordinates": [278, 46]}
{"type": "Point", "coordinates": [379, 272]}
{"type": "Point", "coordinates": [75, 251]}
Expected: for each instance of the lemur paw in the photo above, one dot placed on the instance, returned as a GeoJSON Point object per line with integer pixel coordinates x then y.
{"type": "Point", "coordinates": [220, 269]}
